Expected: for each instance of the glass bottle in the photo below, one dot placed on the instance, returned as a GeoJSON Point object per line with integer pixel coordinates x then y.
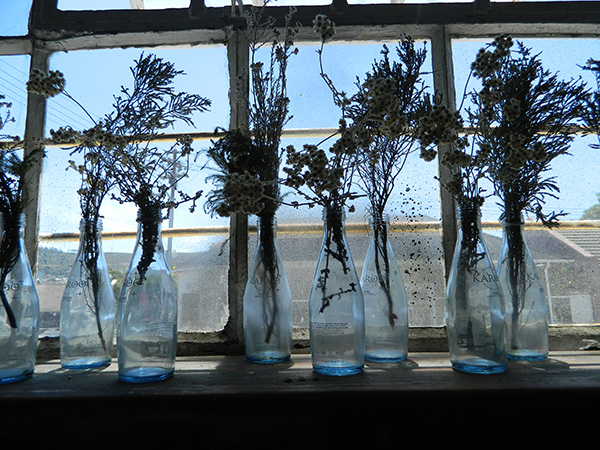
{"type": "Point", "coordinates": [524, 298]}
{"type": "Point", "coordinates": [87, 309]}
{"type": "Point", "coordinates": [267, 301]}
{"type": "Point", "coordinates": [474, 304]}
{"type": "Point", "coordinates": [386, 307]}
{"type": "Point", "coordinates": [20, 309]}
{"type": "Point", "coordinates": [147, 308]}
{"type": "Point", "coordinates": [336, 307]}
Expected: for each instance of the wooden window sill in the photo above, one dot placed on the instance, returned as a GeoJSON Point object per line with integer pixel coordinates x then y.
{"type": "Point", "coordinates": [224, 399]}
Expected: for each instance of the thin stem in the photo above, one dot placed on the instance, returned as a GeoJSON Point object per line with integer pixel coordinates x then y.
{"type": "Point", "coordinates": [380, 237]}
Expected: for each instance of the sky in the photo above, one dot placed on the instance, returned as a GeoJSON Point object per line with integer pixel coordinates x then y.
{"type": "Point", "coordinates": [93, 77]}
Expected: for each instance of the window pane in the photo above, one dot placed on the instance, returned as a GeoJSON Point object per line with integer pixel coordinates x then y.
{"type": "Point", "coordinates": [97, 5]}
{"type": "Point", "coordinates": [370, 2]}
{"type": "Point", "coordinates": [93, 77]}
{"type": "Point", "coordinates": [311, 101]}
{"type": "Point", "coordinates": [414, 204]}
{"type": "Point", "coordinates": [15, 17]}
{"type": "Point", "coordinates": [566, 258]}
{"type": "Point", "coordinates": [198, 260]}
{"type": "Point", "coordinates": [247, 4]}
{"type": "Point", "coordinates": [414, 211]}
{"type": "Point", "coordinates": [14, 72]}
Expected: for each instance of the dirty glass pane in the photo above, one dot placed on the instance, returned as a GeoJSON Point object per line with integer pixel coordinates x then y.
{"type": "Point", "coordinates": [414, 208]}
{"type": "Point", "coordinates": [13, 74]}
{"type": "Point", "coordinates": [15, 17]}
{"type": "Point", "coordinates": [566, 257]}
{"type": "Point", "coordinates": [198, 258]}
{"type": "Point", "coordinates": [97, 5]}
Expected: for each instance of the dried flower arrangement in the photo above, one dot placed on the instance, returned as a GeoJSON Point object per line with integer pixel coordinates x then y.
{"type": "Point", "coordinates": [519, 121]}
{"type": "Point", "coordinates": [324, 178]}
{"type": "Point", "coordinates": [13, 169]}
{"type": "Point", "coordinates": [248, 160]}
{"type": "Point", "coordinates": [387, 106]}
{"type": "Point", "coordinates": [522, 117]}
{"type": "Point", "coordinates": [119, 153]}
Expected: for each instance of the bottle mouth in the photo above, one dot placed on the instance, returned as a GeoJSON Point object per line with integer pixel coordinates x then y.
{"type": "Point", "coordinates": [513, 223]}
{"type": "Point", "coordinates": [466, 212]}
{"type": "Point", "coordinates": [515, 220]}
{"type": "Point", "coordinates": [334, 211]}
{"type": "Point", "coordinates": [266, 221]}
{"type": "Point", "coordinates": [21, 223]}
{"type": "Point", "coordinates": [376, 219]}
{"type": "Point", "coordinates": [149, 214]}
{"type": "Point", "coordinates": [86, 220]}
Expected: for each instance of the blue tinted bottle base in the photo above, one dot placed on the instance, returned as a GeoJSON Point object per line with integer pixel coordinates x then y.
{"type": "Point", "coordinates": [145, 375]}
{"type": "Point", "coordinates": [86, 363]}
{"type": "Point", "coordinates": [385, 356]}
{"type": "Point", "coordinates": [268, 357]}
{"type": "Point", "coordinates": [337, 370]}
{"type": "Point", "coordinates": [478, 366]}
{"type": "Point", "coordinates": [526, 355]}
{"type": "Point", "coordinates": [14, 375]}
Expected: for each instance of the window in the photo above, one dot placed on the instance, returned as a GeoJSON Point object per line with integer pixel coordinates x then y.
{"type": "Point", "coordinates": [13, 73]}
{"type": "Point", "coordinates": [74, 5]}
{"type": "Point", "coordinates": [196, 258]}
{"type": "Point", "coordinates": [13, 21]}
{"type": "Point", "coordinates": [564, 256]}
{"type": "Point", "coordinates": [202, 248]}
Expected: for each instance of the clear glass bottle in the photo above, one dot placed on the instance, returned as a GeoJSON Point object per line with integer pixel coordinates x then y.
{"type": "Point", "coordinates": [147, 308]}
{"type": "Point", "coordinates": [335, 303]}
{"type": "Point", "coordinates": [474, 304]}
{"type": "Point", "coordinates": [87, 309]}
{"type": "Point", "coordinates": [524, 298]}
{"type": "Point", "coordinates": [20, 309]}
{"type": "Point", "coordinates": [386, 307]}
{"type": "Point", "coordinates": [267, 301]}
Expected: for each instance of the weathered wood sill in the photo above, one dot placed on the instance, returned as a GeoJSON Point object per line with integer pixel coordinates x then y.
{"type": "Point", "coordinates": [226, 400]}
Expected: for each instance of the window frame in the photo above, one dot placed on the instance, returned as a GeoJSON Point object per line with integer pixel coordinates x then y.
{"type": "Point", "coordinates": [52, 30]}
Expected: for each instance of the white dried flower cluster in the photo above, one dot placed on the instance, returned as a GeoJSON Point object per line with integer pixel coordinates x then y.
{"type": "Point", "coordinates": [456, 158]}
{"type": "Point", "coordinates": [351, 139]}
{"type": "Point", "coordinates": [393, 125]}
{"type": "Point", "coordinates": [380, 99]}
{"type": "Point", "coordinates": [537, 152]}
{"type": "Point", "coordinates": [99, 136]}
{"type": "Point", "coordinates": [487, 66]}
{"type": "Point", "coordinates": [311, 168]}
{"type": "Point", "coordinates": [186, 142]}
{"type": "Point", "coordinates": [383, 105]}
{"type": "Point", "coordinates": [96, 136]}
{"type": "Point", "coordinates": [487, 62]}
{"type": "Point", "coordinates": [64, 135]}
{"type": "Point", "coordinates": [511, 109]}
{"type": "Point", "coordinates": [324, 27]}
{"type": "Point", "coordinates": [47, 85]}
{"type": "Point", "coordinates": [242, 192]}
{"type": "Point", "coordinates": [518, 153]}
{"type": "Point", "coordinates": [440, 126]}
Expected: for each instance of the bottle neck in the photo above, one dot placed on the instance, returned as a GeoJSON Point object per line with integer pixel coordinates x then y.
{"type": "Point", "coordinates": [149, 226]}
{"type": "Point", "coordinates": [149, 213]}
{"type": "Point", "coordinates": [20, 225]}
{"type": "Point", "coordinates": [334, 216]}
{"type": "Point", "coordinates": [516, 220]}
{"type": "Point", "coordinates": [468, 215]}
{"type": "Point", "coordinates": [380, 224]}
{"type": "Point", "coordinates": [90, 227]}
{"type": "Point", "coordinates": [266, 224]}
